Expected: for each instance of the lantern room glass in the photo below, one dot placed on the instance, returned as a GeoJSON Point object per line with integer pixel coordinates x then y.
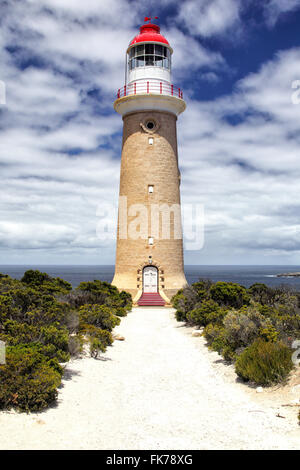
{"type": "Point", "coordinates": [152, 55]}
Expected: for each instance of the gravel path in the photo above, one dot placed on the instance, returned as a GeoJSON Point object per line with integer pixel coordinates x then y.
{"type": "Point", "coordinates": [158, 389]}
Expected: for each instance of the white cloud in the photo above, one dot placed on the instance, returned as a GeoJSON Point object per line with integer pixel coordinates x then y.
{"type": "Point", "coordinates": [274, 9]}
{"type": "Point", "coordinates": [111, 12]}
{"type": "Point", "coordinates": [209, 17]}
{"type": "Point", "coordinates": [189, 55]}
{"type": "Point", "coordinates": [248, 171]}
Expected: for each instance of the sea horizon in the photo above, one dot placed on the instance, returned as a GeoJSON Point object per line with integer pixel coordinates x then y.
{"type": "Point", "coordinates": [244, 274]}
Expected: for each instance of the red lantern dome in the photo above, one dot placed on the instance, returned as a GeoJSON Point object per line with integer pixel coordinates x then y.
{"type": "Point", "coordinates": [149, 33]}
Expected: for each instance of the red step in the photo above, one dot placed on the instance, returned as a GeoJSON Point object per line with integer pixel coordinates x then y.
{"type": "Point", "coordinates": [151, 299]}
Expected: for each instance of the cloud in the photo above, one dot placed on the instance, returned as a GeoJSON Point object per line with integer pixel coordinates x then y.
{"type": "Point", "coordinates": [188, 51]}
{"type": "Point", "coordinates": [209, 17]}
{"type": "Point", "coordinates": [245, 147]}
{"type": "Point", "coordinates": [217, 18]}
{"type": "Point", "coordinates": [274, 9]}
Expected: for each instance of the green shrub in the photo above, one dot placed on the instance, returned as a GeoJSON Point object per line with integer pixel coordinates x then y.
{"type": "Point", "coordinates": [261, 293]}
{"type": "Point", "coordinates": [243, 326]}
{"type": "Point", "coordinates": [268, 333]}
{"type": "Point", "coordinates": [238, 321]}
{"type": "Point", "coordinates": [120, 312]}
{"type": "Point", "coordinates": [184, 301]}
{"type": "Point", "coordinates": [232, 333]}
{"type": "Point", "coordinates": [208, 312]}
{"type": "Point", "coordinates": [102, 293]}
{"type": "Point", "coordinates": [95, 324]}
{"type": "Point", "coordinates": [99, 316]}
{"type": "Point", "coordinates": [215, 336]}
{"type": "Point", "coordinates": [95, 347]}
{"type": "Point", "coordinates": [98, 339]}
{"type": "Point", "coordinates": [28, 305]}
{"type": "Point", "coordinates": [217, 341]}
{"type": "Point", "coordinates": [14, 333]}
{"type": "Point", "coordinates": [287, 325]}
{"type": "Point", "coordinates": [7, 283]}
{"type": "Point", "coordinates": [42, 324]}
{"type": "Point", "coordinates": [180, 315]}
{"type": "Point", "coordinates": [202, 289]}
{"type": "Point", "coordinates": [28, 381]}
{"type": "Point", "coordinates": [266, 310]}
{"type": "Point", "coordinates": [264, 363]}
{"type": "Point", "coordinates": [46, 283]}
{"type": "Point", "coordinates": [126, 300]}
{"type": "Point", "coordinates": [285, 319]}
{"type": "Point", "coordinates": [35, 277]}
{"type": "Point", "coordinates": [230, 294]}
{"type": "Point", "coordinates": [100, 343]}
{"type": "Point", "coordinates": [268, 296]}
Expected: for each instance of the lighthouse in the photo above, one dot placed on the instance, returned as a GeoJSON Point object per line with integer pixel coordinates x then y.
{"type": "Point", "coordinates": [149, 251]}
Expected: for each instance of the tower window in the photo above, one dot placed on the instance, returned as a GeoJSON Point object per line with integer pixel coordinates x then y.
{"type": "Point", "coordinates": [150, 188]}
{"type": "Point", "coordinates": [150, 241]}
{"type": "Point", "coordinates": [151, 140]}
{"type": "Point", "coordinates": [150, 125]}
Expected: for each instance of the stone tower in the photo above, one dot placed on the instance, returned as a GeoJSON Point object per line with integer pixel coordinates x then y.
{"type": "Point", "coordinates": [149, 256]}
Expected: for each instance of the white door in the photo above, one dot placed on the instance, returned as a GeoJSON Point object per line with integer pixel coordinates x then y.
{"type": "Point", "coordinates": [150, 279]}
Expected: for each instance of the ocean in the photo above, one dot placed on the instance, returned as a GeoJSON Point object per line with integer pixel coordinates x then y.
{"type": "Point", "coordinates": [245, 275]}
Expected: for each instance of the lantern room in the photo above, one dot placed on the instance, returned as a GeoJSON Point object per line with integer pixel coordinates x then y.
{"type": "Point", "coordinates": [149, 56]}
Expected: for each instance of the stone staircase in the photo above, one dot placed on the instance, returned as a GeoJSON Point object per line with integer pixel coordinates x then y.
{"type": "Point", "coordinates": [152, 299]}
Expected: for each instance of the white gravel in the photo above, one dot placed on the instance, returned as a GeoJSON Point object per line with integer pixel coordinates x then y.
{"type": "Point", "coordinates": [159, 389]}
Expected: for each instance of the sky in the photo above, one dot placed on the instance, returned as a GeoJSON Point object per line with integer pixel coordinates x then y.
{"type": "Point", "coordinates": [62, 62]}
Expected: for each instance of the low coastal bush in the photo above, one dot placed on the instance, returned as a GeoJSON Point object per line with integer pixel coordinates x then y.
{"type": "Point", "coordinates": [46, 283]}
{"type": "Point", "coordinates": [264, 362]}
{"type": "Point", "coordinates": [184, 301]}
{"type": "Point", "coordinates": [235, 318]}
{"type": "Point", "coordinates": [100, 316]}
{"type": "Point", "coordinates": [207, 312]}
{"type": "Point", "coordinates": [243, 326]}
{"type": "Point", "coordinates": [96, 323]}
{"type": "Point", "coordinates": [43, 322]}
{"type": "Point", "coordinates": [98, 340]}
{"type": "Point", "coordinates": [217, 341]}
{"type": "Point", "coordinates": [229, 294]}
{"type": "Point", "coordinates": [28, 380]}
{"type": "Point", "coordinates": [101, 293]}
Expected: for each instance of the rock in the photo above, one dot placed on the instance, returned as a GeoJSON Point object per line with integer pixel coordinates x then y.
{"type": "Point", "coordinates": [259, 390]}
{"type": "Point", "coordinates": [197, 333]}
{"type": "Point", "coordinates": [288, 275]}
{"type": "Point", "coordinates": [119, 338]}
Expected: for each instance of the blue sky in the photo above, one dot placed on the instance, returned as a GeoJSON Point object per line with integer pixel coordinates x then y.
{"type": "Point", "coordinates": [60, 139]}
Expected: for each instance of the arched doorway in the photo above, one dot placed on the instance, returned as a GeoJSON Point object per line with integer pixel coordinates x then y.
{"type": "Point", "coordinates": [150, 279]}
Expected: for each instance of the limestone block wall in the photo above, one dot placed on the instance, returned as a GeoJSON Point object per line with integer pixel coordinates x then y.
{"type": "Point", "coordinates": [146, 163]}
